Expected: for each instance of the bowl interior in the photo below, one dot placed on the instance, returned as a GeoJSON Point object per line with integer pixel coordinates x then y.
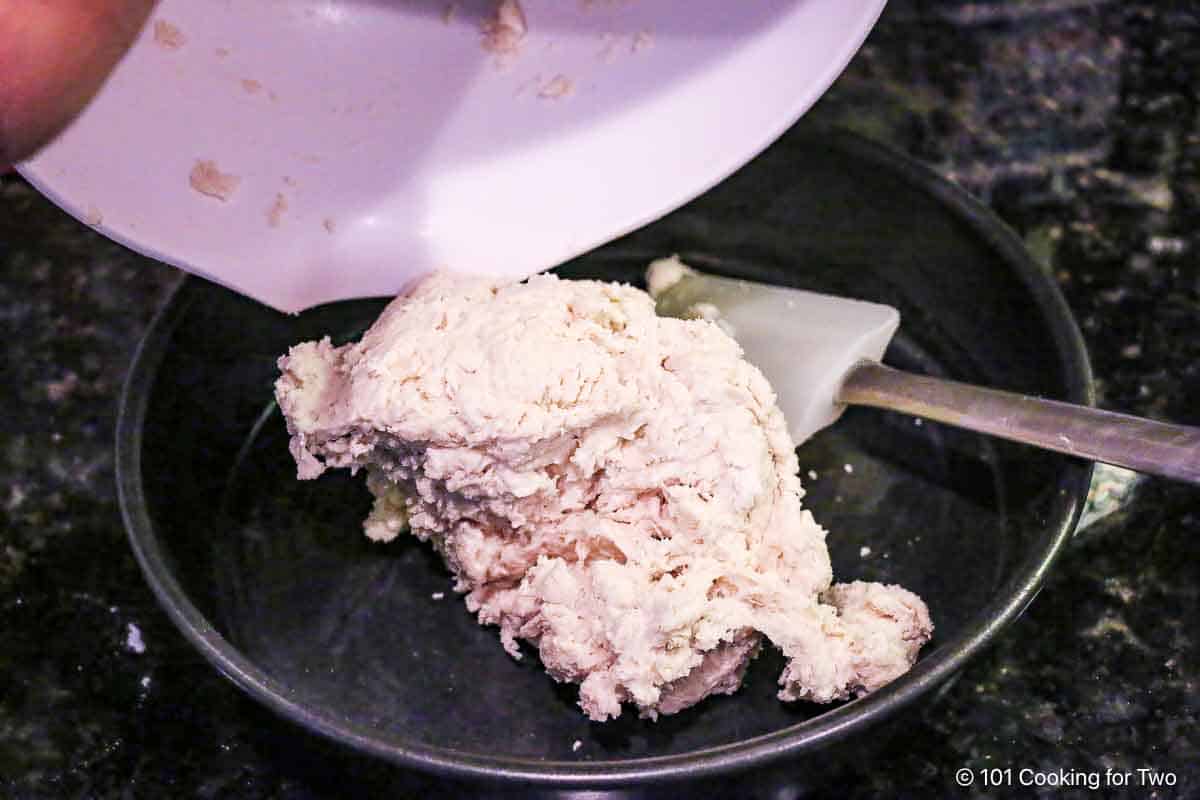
{"type": "Point", "coordinates": [277, 572]}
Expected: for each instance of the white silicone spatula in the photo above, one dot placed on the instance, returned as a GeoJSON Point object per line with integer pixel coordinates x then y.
{"type": "Point", "coordinates": [821, 353]}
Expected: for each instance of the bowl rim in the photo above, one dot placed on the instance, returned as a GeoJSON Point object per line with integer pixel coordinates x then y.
{"type": "Point", "coordinates": [804, 737]}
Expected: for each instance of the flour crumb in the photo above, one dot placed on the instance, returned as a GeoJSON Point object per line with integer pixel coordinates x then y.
{"type": "Point", "coordinates": [207, 179]}
{"type": "Point", "coordinates": [863, 552]}
{"type": "Point", "coordinates": [849, 468]}
{"type": "Point", "coordinates": [168, 36]}
{"type": "Point", "coordinates": [251, 86]}
{"type": "Point", "coordinates": [504, 30]}
{"type": "Point", "coordinates": [93, 216]}
{"type": "Point", "coordinates": [438, 595]}
{"type": "Point", "coordinates": [812, 475]}
{"type": "Point", "coordinates": [918, 422]}
{"type": "Point", "coordinates": [276, 211]}
{"type": "Point", "coordinates": [559, 86]}
{"type": "Point", "coordinates": [145, 681]}
{"type": "Point", "coordinates": [133, 639]}
{"type": "Point", "coordinates": [575, 747]}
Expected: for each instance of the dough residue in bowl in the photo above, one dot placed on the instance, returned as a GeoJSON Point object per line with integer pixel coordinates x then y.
{"type": "Point", "coordinates": [505, 28]}
{"type": "Point", "coordinates": [167, 35]}
{"type": "Point", "coordinates": [207, 179]}
{"type": "Point", "coordinates": [615, 488]}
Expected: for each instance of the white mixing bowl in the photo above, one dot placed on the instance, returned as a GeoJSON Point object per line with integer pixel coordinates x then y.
{"type": "Point", "coordinates": [375, 140]}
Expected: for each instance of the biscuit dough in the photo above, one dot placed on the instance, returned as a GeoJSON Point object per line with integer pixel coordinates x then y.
{"type": "Point", "coordinates": [615, 488]}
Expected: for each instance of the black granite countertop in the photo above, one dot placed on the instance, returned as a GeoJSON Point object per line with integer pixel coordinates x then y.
{"type": "Point", "coordinates": [1078, 121]}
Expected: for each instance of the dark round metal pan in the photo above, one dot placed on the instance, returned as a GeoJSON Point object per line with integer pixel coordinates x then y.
{"type": "Point", "coordinates": [272, 581]}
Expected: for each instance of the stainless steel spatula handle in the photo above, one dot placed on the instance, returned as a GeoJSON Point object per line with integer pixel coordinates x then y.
{"type": "Point", "coordinates": [809, 344]}
{"type": "Point", "coordinates": [1157, 448]}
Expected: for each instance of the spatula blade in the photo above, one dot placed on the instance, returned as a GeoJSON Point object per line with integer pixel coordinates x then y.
{"type": "Point", "coordinates": [804, 342]}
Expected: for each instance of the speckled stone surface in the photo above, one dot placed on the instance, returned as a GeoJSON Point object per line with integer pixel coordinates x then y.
{"type": "Point", "coordinates": [1077, 120]}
